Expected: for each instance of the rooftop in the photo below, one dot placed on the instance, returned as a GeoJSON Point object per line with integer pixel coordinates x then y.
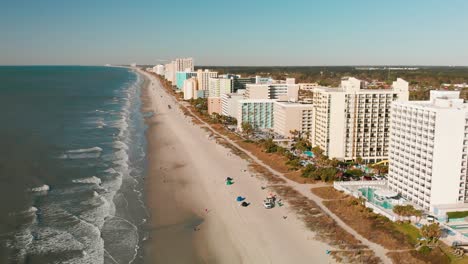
{"type": "Point", "coordinates": [293, 104]}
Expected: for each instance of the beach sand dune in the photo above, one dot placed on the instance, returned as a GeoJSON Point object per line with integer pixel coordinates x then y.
{"type": "Point", "coordinates": [195, 217]}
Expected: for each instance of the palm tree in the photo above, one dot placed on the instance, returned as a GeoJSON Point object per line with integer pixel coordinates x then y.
{"type": "Point", "coordinates": [294, 133]}
{"type": "Point", "coordinates": [431, 232]}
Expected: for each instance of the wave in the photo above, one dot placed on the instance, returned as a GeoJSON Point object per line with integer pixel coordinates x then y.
{"type": "Point", "coordinates": [42, 188]}
{"type": "Point", "coordinates": [120, 145]}
{"type": "Point", "coordinates": [87, 153]}
{"type": "Point", "coordinates": [93, 149]}
{"type": "Point", "coordinates": [80, 156]}
{"type": "Point", "coordinates": [93, 180]}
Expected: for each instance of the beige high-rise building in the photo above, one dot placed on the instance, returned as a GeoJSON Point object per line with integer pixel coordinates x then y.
{"type": "Point", "coordinates": [219, 86]}
{"type": "Point", "coordinates": [184, 64]}
{"type": "Point", "coordinates": [289, 116]}
{"type": "Point", "coordinates": [280, 91]}
{"type": "Point", "coordinates": [204, 77]}
{"type": "Point", "coordinates": [352, 122]}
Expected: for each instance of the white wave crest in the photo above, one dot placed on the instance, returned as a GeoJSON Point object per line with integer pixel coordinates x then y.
{"type": "Point", "coordinates": [93, 179]}
{"type": "Point", "coordinates": [93, 149]}
{"type": "Point", "coordinates": [120, 145]}
{"type": "Point", "coordinates": [42, 188]}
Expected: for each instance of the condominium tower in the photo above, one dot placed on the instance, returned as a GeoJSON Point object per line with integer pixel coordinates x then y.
{"type": "Point", "coordinates": [204, 77]}
{"type": "Point", "coordinates": [257, 112]}
{"type": "Point", "coordinates": [230, 103]}
{"type": "Point", "coordinates": [429, 150]}
{"type": "Point", "coordinates": [290, 116]}
{"type": "Point", "coordinates": [352, 122]}
{"type": "Point", "coordinates": [220, 86]}
{"type": "Point", "coordinates": [184, 64]}
{"type": "Point", "coordinates": [280, 91]}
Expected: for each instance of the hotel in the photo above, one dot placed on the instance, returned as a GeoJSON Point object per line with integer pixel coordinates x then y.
{"type": "Point", "coordinates": [204, 77]}
{"type": "Point", "coordinates": [230, 103]}
{"type": "Point", "coordinates": [220, 86]}
{"type": "Point", "coordinates": [290, 116]}
{"type": "Point", "coordinates": [280, 91]}
{"type": "Point", "coordinates": [190, 89]}
{"type": "Point", "coordinates": [257, 112]}
{"type": "Point", "coordinates": [182, 76]}
{"type": "Point", "coordinates": [352, 122]}
{"type": "Point", "coordinates": [184, 64]}
{"type": "Point", "coordinates": [429, 151]}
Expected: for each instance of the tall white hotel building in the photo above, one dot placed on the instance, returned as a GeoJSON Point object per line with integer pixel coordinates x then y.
{"type": "Point", "coordinates": [183, 64]}
{"type": "Point", "coordinates": [352, 122]}
{"type": "Point", "coordinates": [429, 151]}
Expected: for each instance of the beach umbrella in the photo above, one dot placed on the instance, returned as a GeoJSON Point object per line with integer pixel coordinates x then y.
{"type": "Point", "coordinates": [240, 198]}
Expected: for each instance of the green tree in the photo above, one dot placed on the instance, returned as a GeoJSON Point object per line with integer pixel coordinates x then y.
{"type": "Point", "coordinates": [302, 144]}
{"type": "Point", "coordinates": [247, 129]}
{"type": "Point", "coordinates": [295, 134]}
{"type": "Point", "coordinates": [308, 171]}
{"type": "Point", "coordinates": [359, 160]}
{"type": "Point", "coordinates": [380, 168]}
{"type": "Point", "coordinates": [431, 232]}
{"type": "Point", "coordinates": [270, 146]}
{"type": "Point", "coordinates": [294, 164]}
{"type": "Point", "coordinates": [355, 173]}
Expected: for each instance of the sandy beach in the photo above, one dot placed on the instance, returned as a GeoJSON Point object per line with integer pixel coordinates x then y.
{"type": "Point", "coordinates": [195, 217]}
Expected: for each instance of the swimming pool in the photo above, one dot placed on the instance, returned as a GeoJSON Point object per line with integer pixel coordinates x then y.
{"type": "Point", "coordinates": [368, 193]}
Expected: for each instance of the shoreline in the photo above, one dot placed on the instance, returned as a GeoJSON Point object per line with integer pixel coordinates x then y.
{"type": "Point", "coordinates": [167, 234]}
{"type": "Point", "coordinates": [193, 209]}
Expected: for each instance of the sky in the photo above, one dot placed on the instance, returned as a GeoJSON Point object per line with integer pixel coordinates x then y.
{"type": "Point", "coordinates": [242, 32]}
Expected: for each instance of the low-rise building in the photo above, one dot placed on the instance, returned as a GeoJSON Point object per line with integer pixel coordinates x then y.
{"type": "Point", "coordinates": [263, 80]}
{"type": "Point", "coordinates": [214, 105]}
{"type": "Point", "coordinates": [429, 151]}
{"type": "Point", "coordinates": [257, 112]}
{"type": "Point", "coordinates": [290, 116]}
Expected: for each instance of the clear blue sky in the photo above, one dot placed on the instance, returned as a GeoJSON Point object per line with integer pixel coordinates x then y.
{"type": "Point", "coordinates": [242, 32]}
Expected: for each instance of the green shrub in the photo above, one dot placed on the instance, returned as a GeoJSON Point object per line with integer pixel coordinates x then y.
{"type": "Point", "coordinates": [425, 250]}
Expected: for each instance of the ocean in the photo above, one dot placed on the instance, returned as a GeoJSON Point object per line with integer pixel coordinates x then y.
{"type": "Point", "coordinates": [72, 165]}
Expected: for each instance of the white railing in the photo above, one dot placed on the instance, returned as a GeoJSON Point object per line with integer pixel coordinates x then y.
{"type": "Point", "coordinates": [352, 183]}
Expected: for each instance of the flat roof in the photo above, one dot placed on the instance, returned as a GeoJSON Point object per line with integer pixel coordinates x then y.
{"type": "Point", "coordinates": [293, 104]}
{"type": "Point", "coordinates": [342, 90]}
{"type": "Point", "coordinates": [430, 105]}
{"type": "Point", "coordinates": [258, 100]}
